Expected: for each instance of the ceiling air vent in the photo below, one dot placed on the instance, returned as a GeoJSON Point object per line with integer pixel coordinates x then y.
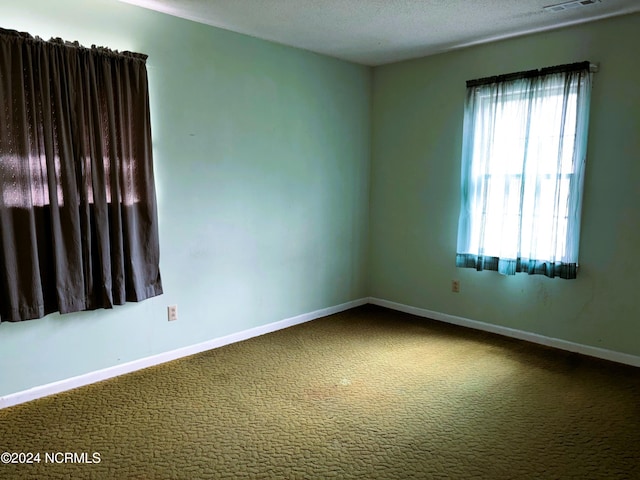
{"type": "Point", "coordinates": [560, 7]}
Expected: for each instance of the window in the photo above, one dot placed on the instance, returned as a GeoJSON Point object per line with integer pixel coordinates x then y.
{"type": "Point", "coordinates": [523, 159]}
{"type": "Point", "coordinates": [78, 221]}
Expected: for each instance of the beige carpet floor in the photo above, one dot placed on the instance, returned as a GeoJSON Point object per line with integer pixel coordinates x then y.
{"type": "Point", "coordinates": [365, 394]}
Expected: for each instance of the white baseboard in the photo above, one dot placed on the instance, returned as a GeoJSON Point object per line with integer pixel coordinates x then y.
{"type": "Point", "coordinates": [116, 370]}
{"type": "Point", "coordinates": [512, 332]}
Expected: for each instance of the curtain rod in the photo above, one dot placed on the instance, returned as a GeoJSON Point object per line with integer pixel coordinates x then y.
{"type": "Point", "coordinates": [569, 67]}
{"type": "Point", "coordinates": [74, 44]}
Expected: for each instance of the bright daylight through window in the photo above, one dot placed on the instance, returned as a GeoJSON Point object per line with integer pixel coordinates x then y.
{"type": "Point", "coordinates": [524, 152]}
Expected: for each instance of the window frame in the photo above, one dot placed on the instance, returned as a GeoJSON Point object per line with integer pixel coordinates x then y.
{"type": "Point", "coordinates": [473, 216]}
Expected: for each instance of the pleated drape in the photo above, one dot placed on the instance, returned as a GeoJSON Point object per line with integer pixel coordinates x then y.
{"type": "Point", "coordinates": [78, 215]}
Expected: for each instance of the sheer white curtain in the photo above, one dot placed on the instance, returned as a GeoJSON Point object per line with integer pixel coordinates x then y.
{"type": "Point", "coordinates": [523, 159]}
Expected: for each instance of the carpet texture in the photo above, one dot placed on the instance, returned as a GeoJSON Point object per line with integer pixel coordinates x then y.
{"type": "Point", "coordinates": [367, 394]}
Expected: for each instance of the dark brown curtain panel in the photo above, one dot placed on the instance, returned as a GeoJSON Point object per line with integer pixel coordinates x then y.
{"type": "Point", "coordinates": [78, 220]}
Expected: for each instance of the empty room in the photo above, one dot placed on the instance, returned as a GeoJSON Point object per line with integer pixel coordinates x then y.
{"type": "Point", "coordinates": [319, 239]}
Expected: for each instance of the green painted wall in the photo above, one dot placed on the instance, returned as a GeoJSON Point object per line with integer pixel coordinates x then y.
{"type": "Point", "coordinates": [415, 175]}
{"type": "Point", "coordinates": [290, 182]}
{"type": "Point", "coordinates": [262, 157]}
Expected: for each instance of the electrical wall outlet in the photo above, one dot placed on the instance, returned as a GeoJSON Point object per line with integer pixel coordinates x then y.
{"type": "Point", "coordinates": [455, 286]}
{"type": "Point", "coordinates": [172, 313]}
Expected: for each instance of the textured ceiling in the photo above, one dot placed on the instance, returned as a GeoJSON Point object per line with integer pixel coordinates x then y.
{"type": "Point", "coordinates": [375, 32]}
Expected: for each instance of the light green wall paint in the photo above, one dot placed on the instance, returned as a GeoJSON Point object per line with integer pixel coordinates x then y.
{"type": "Point", "coordinates": [262, 156]}
{"type": "Point", "coordinates": [415, 175]}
